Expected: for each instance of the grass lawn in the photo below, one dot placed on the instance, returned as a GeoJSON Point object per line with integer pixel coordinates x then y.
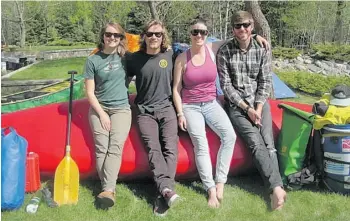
{"type": "Point", "coordinates": [51, 48]}
{"type": "Point", "coordinates": [303, 98]}
{"type": "Point", "coordinates": [54, 69]}
{"type": "Point", "coordinates": [244, 200]}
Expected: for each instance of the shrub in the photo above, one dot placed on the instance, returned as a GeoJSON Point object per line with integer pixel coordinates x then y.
{"type": "Point", "coordinates": [60, 42]}
{"type": "Point", "coordinates": [83, 43]}
{"type": "Point", "coordinates": [311, 83]}
{"type": "Point", "coordinates": [331, 51]}
{"type": "Point", "coordinates": [12, 47]}
{"type": "Point", "coordinates": [285, 53]}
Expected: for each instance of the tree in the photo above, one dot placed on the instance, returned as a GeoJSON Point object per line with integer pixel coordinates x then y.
{"type": "Point", "coordinates": [261, 25]}
{"type": "Point", "coordinates": [338, 27]}
{"type": "Point", "coordinates": [153, 8]}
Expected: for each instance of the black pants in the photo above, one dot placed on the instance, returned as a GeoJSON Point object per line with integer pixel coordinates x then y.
{"type": "Point", "coordinates": [159, 133]}
{"type": "Point", "coordinates": [260, 142]}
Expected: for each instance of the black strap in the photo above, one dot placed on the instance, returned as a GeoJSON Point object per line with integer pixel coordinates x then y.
{"type": "Point", "coordinates": [336, 161]}
{"type": "Point", "coordinates": [336, 180]}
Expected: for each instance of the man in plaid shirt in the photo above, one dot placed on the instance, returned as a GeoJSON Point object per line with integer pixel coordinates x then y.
{"type": "Point", "coordinates": [245, 77]}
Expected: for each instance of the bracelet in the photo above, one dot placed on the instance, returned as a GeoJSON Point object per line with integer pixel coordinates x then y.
{"type": "Point", "coordinates": [247, 109]}
{"type": "Point", "coordinates": [180, 114]}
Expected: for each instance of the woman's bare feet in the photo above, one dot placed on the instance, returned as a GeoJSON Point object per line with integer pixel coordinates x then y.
{"type": "Point", "coordinates": [212, 200]}
{"type": "Point", "coordinates": [278, 197]}
{"type": "Point", "coordinates": [220, 191]}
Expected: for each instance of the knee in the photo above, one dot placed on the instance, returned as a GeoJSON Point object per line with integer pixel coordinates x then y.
{"type": "Point", "coordinates": [115, 149]}
{"type": "Point", "coordinates": [201, 150]}
{"type": "Point", "coordinates": [257, 147]}
{"type": "Point", "coordinates": [229, 137]}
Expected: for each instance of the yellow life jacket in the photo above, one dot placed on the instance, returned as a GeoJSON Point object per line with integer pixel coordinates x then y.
{"type": "Point", "coordinates": [335, 114]}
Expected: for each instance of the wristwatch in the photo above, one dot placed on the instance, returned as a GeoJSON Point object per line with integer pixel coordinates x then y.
{"type": "Point", "coordinates": [246, 109]}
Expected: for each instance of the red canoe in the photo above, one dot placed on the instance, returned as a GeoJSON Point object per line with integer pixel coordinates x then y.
{"type": "Point", "coordinates": [45, 130]}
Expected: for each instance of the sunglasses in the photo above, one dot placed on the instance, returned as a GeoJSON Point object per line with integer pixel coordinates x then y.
{"type": "Point", "coordinates": [238, 26]}
{"type": "Point", "coordinates": [195, 32]}
{"type": "Point", "coordinates": [116, 35]}
{"type": "Point", "coordinates": [157, 34]}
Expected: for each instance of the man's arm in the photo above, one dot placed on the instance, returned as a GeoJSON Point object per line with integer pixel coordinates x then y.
{"type": "Point", "coordinates": [264, 79]}
{"type": "Point", "coordinates": [225, 79]}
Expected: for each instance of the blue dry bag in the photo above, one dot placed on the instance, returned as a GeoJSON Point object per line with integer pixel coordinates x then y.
{"type": "Point", "coordinates": [13, 161]}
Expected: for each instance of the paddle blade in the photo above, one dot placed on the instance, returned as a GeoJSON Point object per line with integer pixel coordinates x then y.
{"type": "Point", "coordinates": [66, 184]}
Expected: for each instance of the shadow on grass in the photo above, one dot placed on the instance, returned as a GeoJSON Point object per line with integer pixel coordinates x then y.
{"type": "Point", "coordinates": [143, 189]}
{"type": "Point", "coordinates": [95, 186]}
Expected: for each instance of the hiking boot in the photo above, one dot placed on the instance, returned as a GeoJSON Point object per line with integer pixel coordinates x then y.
{"type": "Point", "coordinates": [160, 207]}
{"type": "Point", "coordinates": [170, 197]}
{"type": "Point", "coordinates": [106, 199]}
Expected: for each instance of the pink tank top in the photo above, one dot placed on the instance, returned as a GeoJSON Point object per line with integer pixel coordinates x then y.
{"type": "Point", "coordinates": [199, 81]}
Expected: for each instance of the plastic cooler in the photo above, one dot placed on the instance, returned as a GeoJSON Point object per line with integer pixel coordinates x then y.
{"type": "Point", "coordinates": [32, 172]}
{"type": "Point", "coordinates": [336, 147]}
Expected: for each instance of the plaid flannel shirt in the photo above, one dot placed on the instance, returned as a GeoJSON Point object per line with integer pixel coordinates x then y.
{"type": "Point", "coordinates": [244, 75]}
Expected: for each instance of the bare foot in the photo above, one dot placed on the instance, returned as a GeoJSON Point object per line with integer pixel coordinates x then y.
{"type": "Point", "coordinates": [278, 197]}
{"type": "Point", "coordinates": [212, 200]}
{"type": "Point", "coordinates": [220, 191]}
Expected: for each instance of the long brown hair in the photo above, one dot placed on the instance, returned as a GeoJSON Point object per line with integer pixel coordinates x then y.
{"type": "Point", "coordinates": [122, 47]}
{"type": "Point", "coordinates": [165, 40]}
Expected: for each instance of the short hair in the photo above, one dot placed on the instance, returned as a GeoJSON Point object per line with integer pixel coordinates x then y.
{"type": "Point", "coordinates": [122, 47]}
{"type": "Point", "coordinates": [165, 40]}
{"type": "Point", "coordinates": [240, 16]}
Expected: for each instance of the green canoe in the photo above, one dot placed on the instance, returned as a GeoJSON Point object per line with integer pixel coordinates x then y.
{"type": "Point", "coordinates": [53, 93]}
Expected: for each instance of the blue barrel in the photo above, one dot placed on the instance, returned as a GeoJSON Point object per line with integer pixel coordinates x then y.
{"type": "Point", "coordinates": [336, 147]}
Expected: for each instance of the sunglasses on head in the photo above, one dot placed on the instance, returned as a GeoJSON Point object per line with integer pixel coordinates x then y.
{"type": "Point", "coordinates": [157, 34]}
{"type": "Point", "coordinates": [238, 26]}
{"type": "Point", "coordinates": [116, 35]}
{"type": "Point", "coordinates": [195, 32]}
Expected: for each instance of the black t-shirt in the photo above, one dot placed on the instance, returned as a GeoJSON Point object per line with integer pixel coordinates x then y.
{"type": "Point", "coordinates": [153, 79]}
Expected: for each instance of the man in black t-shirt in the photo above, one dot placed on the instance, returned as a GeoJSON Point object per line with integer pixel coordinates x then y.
{"type": "Point", "coordinates": [157, 119]}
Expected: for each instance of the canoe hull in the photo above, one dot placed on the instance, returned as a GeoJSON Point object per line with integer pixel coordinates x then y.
{"type": "Point", "coordinates": [45, 130]}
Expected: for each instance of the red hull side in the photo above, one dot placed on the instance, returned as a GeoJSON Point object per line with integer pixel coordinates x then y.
{"type": "Point", "coordinates": [45, 130]}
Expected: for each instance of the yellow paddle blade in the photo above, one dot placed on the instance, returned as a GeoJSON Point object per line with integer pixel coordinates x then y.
{"type": "Point", "coordinates": [66, 184]}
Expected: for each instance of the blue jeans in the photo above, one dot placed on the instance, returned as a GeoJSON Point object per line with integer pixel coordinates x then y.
{"type": "Point", "coordinates": [197, 114]}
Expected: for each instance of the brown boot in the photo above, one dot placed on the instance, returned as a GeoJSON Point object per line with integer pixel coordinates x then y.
{"type": "Point", "coordinates": [106, 199]}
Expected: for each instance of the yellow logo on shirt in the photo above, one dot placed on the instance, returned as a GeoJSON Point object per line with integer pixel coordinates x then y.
{"type": "Point", "coordinates": [163, 63]}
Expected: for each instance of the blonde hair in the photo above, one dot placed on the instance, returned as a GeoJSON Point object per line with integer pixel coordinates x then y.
{"type": "Point", "coordinates": [165, 40]}
{"type": "Point", "coordinates": [122, 47]}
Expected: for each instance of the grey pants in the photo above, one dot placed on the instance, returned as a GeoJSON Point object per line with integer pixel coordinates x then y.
{"type": "Point", "coordinates": [159, 133]}
{"type": "Point", "coordinates": [260, 143]}
{"type": "Point", "coordinates": [109, 144]}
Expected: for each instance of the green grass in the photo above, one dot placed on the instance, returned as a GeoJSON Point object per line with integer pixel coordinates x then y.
{"type": "Point", "coordinates": [244, 200]}
{"type": "Point", "coordinates": [303, 98]}
{"type": "Point", "coordinates": [51, 69]}
{"type": "Point", "coordinates": [50, 48]}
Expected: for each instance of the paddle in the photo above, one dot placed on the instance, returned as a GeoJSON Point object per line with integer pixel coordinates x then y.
{"type": "Point", "coordinates": [66, 185]}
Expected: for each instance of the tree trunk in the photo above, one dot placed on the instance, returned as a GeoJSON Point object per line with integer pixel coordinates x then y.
{"type": "Point", "coordinates": [226, 18]}
{"type": "Point", "coordinates": [220, 20]}
{"type": "Point", "coordinates": [3, 36]}
{"type": "Point", "coordinates": [22, 26]}
{"type": "Point", "coordinates": [153, 8]}
{"type": "Point", "coordinates": [338, 28]}
{"type": "Point", "coordinates": [260, 23]}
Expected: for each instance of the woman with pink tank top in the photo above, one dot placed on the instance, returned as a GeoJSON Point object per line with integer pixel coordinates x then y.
{"type": "Point", "coordinates": [194, 95]}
